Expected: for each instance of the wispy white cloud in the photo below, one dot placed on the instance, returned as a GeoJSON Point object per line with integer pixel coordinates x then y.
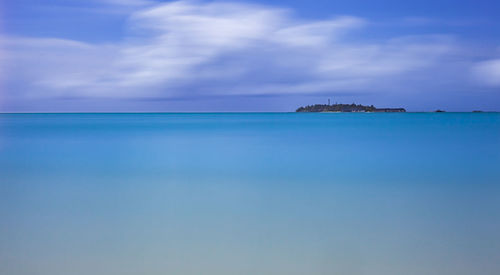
{"type": "Point", "coordinates": [220, 48]}
{"type": "Point", "coordinates": [136, 3]}
{"type": "Point", "coordinates": [488, 72]}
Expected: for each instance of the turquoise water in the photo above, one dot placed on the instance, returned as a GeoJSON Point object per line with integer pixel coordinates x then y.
{"type": "Point", "coordinates": [414, 193]}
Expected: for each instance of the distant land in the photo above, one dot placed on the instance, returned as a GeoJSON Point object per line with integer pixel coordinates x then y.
{"type": "Point", "coordinates": [347, 108]}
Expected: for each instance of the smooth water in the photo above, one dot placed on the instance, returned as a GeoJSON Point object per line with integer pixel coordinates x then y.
{"type": "Point", "coordinates": [92, 194]}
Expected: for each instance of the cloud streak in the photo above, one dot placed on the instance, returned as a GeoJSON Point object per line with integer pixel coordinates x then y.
{"type": "Point", "coordinates": [488, 72]}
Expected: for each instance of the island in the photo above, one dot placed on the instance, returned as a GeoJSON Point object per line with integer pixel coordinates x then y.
{"type": "Point", "coordinates": [346, 108]}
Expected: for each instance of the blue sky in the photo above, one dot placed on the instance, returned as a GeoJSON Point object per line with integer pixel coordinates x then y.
{"type": "Point", "coordinates": [147, 55]}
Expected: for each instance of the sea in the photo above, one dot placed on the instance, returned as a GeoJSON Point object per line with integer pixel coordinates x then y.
{"type": "Point", "coordinates": [250, 193]}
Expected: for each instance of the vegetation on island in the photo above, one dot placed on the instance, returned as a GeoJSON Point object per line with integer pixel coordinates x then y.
{"type": "Point", "coordinates": [346, 108]}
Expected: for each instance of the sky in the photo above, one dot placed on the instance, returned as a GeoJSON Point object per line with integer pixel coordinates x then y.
{"type": "Point", "coordinates": [211, 56]}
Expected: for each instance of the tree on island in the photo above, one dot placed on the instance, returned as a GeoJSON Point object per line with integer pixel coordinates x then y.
{"type": "Point", "coordinates": [348, 108]}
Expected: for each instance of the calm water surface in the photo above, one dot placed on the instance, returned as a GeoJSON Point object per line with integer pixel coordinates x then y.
{"type": "Point", "coordinates": [249, 194]}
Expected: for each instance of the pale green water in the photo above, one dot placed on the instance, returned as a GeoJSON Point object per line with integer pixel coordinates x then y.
{"type": "Point", "coordinates": [249, 194]}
